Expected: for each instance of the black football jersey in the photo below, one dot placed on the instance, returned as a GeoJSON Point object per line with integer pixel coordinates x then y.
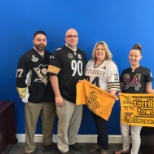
{"type": "Point", "coordinates": [69, 67]}
{"type": "Point", "coordinates": [134, 81]}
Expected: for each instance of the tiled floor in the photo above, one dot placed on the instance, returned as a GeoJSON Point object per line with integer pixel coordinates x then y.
{"type": "Point", "coordinates": [19, 149]}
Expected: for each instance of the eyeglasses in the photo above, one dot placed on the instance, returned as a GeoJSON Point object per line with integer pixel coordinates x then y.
{"type": "Point", "coordinates": [71, 36]}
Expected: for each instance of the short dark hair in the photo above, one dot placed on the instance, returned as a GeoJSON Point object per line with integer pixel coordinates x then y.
{"type": "Point", "coordinates": [39, 32]}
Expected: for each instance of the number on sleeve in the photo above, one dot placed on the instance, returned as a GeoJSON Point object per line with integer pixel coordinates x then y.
{"type": "Point", "coordinates": [19, 73]}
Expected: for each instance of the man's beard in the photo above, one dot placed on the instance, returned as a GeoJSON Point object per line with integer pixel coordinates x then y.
{"type": "Point", "coordinates": [40, 47]}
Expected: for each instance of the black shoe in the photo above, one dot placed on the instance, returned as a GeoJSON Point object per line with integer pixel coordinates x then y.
{"type": "Point", "coordinates": [77, 147]}
{"type": "Point", "coordinates": [52, 145]}
{"type": "Point", "coordinates": [95, 148]}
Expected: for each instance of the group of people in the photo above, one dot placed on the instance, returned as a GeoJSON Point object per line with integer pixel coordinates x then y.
{"type": "Point", "coordinates": [46, 83]}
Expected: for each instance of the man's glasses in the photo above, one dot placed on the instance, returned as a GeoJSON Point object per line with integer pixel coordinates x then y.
{"type": "Point", "coordinates": [71, 36]}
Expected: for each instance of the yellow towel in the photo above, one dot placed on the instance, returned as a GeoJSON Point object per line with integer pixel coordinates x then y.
{"type": "Point", "coordinates": [137, 109]}
{"type": "Point", "coordinates": [98, 101]}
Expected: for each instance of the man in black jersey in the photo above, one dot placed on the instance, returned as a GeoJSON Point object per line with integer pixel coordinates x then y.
{"type": "Point", "coordinates": [66, 68]}
{"type": "Point", "coordinates": [35, 91]}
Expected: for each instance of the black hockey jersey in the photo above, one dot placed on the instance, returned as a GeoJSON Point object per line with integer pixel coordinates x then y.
{"type": "Point", "coordinates": [31, 78]}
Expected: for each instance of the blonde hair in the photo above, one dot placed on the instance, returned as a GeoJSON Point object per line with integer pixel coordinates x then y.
{"type": "Point", "coordinates": [107, 51]}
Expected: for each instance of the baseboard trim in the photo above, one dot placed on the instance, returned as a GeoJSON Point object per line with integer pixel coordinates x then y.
{"type": "Point", "coordinates": [80, 138]}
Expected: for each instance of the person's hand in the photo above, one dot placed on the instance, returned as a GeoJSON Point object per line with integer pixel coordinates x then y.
{"type": "Point", "coordinates": [79, 81]}
{"type": "Point", "coordinates": [25, 99]}
{"type": "Point", "coordinates": [115, 97]}
{"type": "Point", "coordinates": [25, 102]}
{"type": "Point", "coordinates": [59, 101]}
{"type": "Point", "coordinates": [119, 94]}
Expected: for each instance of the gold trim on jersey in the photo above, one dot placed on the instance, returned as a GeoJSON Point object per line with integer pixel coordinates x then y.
{"type": "Point", "coordinates": [53, 69]}
{"type": "Point", "coordinates": [22, 92]}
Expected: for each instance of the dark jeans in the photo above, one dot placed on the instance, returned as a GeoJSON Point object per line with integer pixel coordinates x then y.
{"type": "Point", "coordinates": [101, 126]}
